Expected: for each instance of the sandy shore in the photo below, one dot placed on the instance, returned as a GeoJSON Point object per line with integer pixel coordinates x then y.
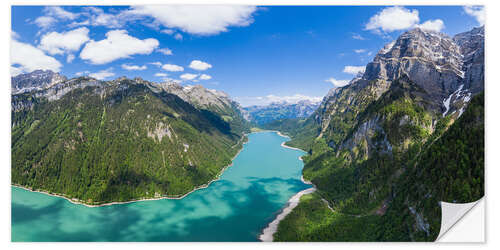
{"type": "Point", "coordinates": [283, 143]}
{"type": "Point", "coordinates": [80, 202]}
{"type": "Point", "coordinates": [268, 232]}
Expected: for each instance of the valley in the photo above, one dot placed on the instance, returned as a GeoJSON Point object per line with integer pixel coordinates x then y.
{"type": "Point", "coordinates": [178, 159]}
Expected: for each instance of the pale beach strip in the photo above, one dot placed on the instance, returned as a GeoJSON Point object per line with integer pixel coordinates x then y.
{"type": "Point", "coordinates": [268, 232]}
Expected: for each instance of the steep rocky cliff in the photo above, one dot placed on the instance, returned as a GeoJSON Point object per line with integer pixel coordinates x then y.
{"type": "Point", "coordinates": [386, 134]}
{"type": "Point", "coordinates": [444, 72]}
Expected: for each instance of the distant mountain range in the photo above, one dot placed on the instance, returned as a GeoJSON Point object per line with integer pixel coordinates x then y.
{"type": "Point", "coordinates": [280, 110]}
{"type": "Point", "coordinates": [103, 141]}
{"type": "Point", "coordinates": [386, 149]}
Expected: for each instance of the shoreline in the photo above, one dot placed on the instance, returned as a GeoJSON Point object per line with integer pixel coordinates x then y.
{"type": "Point", "coordinates": [272, 227]}
{"type": "Point", "coordinates": [268, 232]}
{"type": "Point", "coordinates": [283, 143]}
{"type": "Point", "coordinates": [80, 202]}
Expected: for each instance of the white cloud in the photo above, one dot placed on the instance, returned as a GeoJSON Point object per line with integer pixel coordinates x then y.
{"type": "Point", "coordinates": [167, 31]}
{"type": "Point", "coordinates": [52, 13]}
{"type": "Point", "coordinates": [97, 17]}
{"type": "Point", "coordinates": [107, 20]}
{"type": "Point", "coordinates": [118, 44]}
{"type": "Point", "coordinates": [357, 36]}
{"type": "Point", "coordinates": [161, 75]}
{"type": "Point", "coordinates": [29, 58]}
{"type": "Point", "coordinates": [14, 35]}
{"type": "Point", "coordinates": [57, 43]}
{"type": "Point", "coordinates": [359, 51]}
{"type": "Point", "coordinates": [165, 51]}
{"type": "Point", "coordinates": [399, 18]}
{"type": "Point", "coordinates": [103, 74]}
{"type": "Point", "coordinates": [172, 67]}
{"type": "Point", "coordinates": [86, 72]}
{"type": "Point", "coordinates": [392, 19]}
{"type": "Point", "coordinates": [432, 25]}
{"type": "Point", "coordinates": [171, 80]}
{"type": "Point", "coordinates": [158, 64]}
{"type": "Point", "coordinates": [477, 12]}
{"type": "Point", "coordinates": [70, 58]}
{"type": "Point", "coordinates": [14, 71]}
{"type": "Point", "coordinates": [337, 83]}
{"type": "Point", "coordinates": [199, 65]}
{"type": "Point", "coordinates": [45, 22]}
{"type": "Point", "coordinates": [268, 99]}
{"type": "Point", "coordinates": [77, 24]}
{"type": "Point", "coordinates": [178, 36]}
{"type": "Point", "coordinates": [205, 77]}
{"type": "Point", "coordinates": [354, 69]}
{"type": "Point", "coordinates": [60, 13]}
{"type": "Point", "coordinates": [198, 19]}
{"type": "Point", "coordinates": [188, 76]}
{"type": "Point", "coordinates": [133, 67]}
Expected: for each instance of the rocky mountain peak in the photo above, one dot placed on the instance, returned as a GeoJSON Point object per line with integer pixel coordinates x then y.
{"type": "Point", "coordinates": [448, 71]}
{"type": "Point", "coordinates": [433, 46]}
{"type": "Point", "coordinates": [197, 94]}
{"type": "Point", "coordinates": [36, 80]}
{"type": "Point", "coordinates": [470, 40]}
{"type": "Point", "coordinates": [432, 60]}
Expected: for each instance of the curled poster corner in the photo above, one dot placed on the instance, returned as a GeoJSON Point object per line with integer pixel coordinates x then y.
{"type": "Point", "coordinates": [452, 213]}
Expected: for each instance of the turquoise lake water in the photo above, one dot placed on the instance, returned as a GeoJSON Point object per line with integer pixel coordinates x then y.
{"type": "Point", "coordinates": [237, 207]}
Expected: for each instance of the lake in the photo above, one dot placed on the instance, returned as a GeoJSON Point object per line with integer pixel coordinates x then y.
{"type": "Point", "coordinates": [237, 207]}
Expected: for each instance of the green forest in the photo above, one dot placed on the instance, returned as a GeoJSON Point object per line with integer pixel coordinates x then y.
{"type": "Point", "coordinates": [118, 142]}
{"type": "Point", "coordinates": [387, 193]}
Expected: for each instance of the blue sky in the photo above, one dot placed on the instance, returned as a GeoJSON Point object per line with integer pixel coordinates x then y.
{"type": "Point", "coordinates": [255, 54]}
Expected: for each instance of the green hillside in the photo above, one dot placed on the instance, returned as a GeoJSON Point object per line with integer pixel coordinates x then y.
{"type": "Point", "coordinates": [390, 194]}
{"type": "Point", "coordinates": [117, 142]}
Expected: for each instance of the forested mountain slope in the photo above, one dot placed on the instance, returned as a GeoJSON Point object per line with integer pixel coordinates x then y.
{"type": "Point", "coordinates": [120, 140]}
{"type": "Point", "coordinates": [395, 142]}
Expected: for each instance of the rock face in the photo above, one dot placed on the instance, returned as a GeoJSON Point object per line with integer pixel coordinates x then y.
{"type": "Point", "coordinates": [415, 115]}
{"type": "Point", "coordinates": [203, 98]}
{"type": "Point", "coordinates": [438, 64]}
{"type": "Point", "coordinates": [198, 95]}
{"type": "Point", "coordinates": [36, 80]}
{"type": "Point", "coordinates": [431, 60]}
{"type": "Point", "coordinates": [52, 92]}
{"type": "Point", "coordinates": [281, 110]}
{"type": "Point", "coordinates": [472, 48]}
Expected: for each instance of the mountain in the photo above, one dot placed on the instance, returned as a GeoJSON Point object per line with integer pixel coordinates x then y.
{"type": "Point", "coordinates": [387, 148]}
{"type": "Point", "coordinates": [36, 80]}
{"type": "Point", "coordinates": [103, 141]}
{"type": "Point", "coordinates": [212, 100]}
{"type": "Point", "coordinates": [280, 110]}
